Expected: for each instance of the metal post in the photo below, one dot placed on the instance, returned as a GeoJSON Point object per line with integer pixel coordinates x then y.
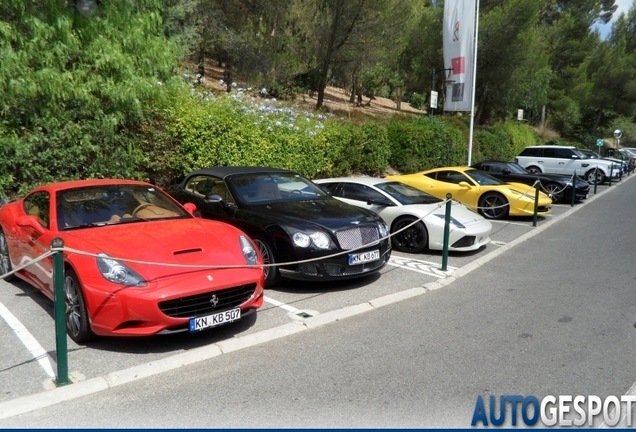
{"type": "Point", "coordinates": [611, 175]}
{"type": "Point", "coordinates": [595, 179]}
{"type": "Point", "coordinates": [536, 203]}
{"type": "Point", "coordinates": [60, 314]}
{"type": "Point", "coordinates": [573, 190]}
{"type": "Point", "coordinates": [446, 231]}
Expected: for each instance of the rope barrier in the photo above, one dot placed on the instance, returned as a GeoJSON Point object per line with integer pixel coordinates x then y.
{"type": "Point", "coordinates": [205, 266]}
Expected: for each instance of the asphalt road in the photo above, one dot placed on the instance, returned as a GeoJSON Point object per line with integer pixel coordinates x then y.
{"type": "Point", "coordinates": [553, 315]}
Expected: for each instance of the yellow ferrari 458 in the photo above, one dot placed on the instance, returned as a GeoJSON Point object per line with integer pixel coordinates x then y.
{"type": "Point", "coordinates": [479, 191]}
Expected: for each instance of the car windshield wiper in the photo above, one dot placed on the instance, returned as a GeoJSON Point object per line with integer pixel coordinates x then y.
{"type": "Point", "coordinates": [106, 223]}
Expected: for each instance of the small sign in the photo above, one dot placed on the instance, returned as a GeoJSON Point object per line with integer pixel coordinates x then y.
{"type": "Point", "coordinates": [433, 99]}
{"type": "Point", "coordinates": [599, 142]}
{"type": "Point", "coordinates": [520, 114]}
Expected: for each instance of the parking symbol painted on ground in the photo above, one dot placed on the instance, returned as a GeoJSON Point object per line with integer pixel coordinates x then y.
{"type": "Point", "coordinates": [425, 267]}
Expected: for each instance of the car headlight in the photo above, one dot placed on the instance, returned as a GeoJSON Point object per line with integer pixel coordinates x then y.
{"type": "Point", "coordinates": [384, 229]}
{"type": "Point", "coordinates": [251, 257]}
{"type": "Point", "coordinates": [117, 272]}
{"type": "Point", "coordinates": [319, 239]}
{"type": "Point", "coordinates": [454, 221]}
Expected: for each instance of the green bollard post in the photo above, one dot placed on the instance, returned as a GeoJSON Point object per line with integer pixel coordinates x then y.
{"type": "Point", "coordinates": [610, 176]}
{"type": "Point", "coordinates": [595, 179]}
{"type": "Point", "coordinates": [60, 315]}
{"type": "Point", "coordinates": [446, 232]}
{"type": "Point", "coordinates": [536, 204]}
{"type": "Point", "coordinates": [573, 190]}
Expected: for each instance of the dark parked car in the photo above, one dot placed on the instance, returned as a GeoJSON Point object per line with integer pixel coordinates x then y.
{"type": "Point", "coordinates": [558, 186]}
{"type": "Point", "coordinates": [290, 219]}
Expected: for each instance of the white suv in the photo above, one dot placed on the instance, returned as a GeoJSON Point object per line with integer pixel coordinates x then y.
{"type": "Point", "coordinates": [555, 159]}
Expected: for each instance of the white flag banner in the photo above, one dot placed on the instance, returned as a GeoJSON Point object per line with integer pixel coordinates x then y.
{"type": "Point", "coordinates": [459, 35]}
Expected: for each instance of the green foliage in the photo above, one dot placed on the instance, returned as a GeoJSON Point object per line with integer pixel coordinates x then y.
{"type": "Point", "coordinates": [74, 90]}
{"type": "Point", "coordinates": [503, 141]}
{"type": "Point", "coordinates": [417, 101]}
{"type": "Point", "coordinates": [424, 143]}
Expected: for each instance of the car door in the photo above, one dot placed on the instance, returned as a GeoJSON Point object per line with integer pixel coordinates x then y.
{"type": "Point", "coordinates": [359, 195]}
{"type": "Point", "coordinates": [567, 162]}
{"type": "Point", "coordinates": [35, 241]}
{"type": "Point", "coordinates": [448, 181]}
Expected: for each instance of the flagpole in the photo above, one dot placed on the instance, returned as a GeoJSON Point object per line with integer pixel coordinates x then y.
{"type": "Point", "coordinates": [472, 101]}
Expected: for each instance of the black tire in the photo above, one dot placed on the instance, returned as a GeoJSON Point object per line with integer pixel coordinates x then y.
{"type": "Point", "coordinates": [533, 170]}
{"type": "Point", "coordinates": [78, 325]}
{"type": "Point", "coordinates": [413, 239]}
{"type": "Point", "coordinates": [5, 259]}
{"type": "Point", "coordinates": [272, 276]}
{"type": "Point", "coordinates": [555, 191]}
{"type": "Point", "coordinates": [493, 206]}
{"type": "Point", "coordinates": [600, 177]}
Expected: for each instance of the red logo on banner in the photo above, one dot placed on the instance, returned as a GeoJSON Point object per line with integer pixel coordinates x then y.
{"type": "Point", "coordinates": [459, 65]}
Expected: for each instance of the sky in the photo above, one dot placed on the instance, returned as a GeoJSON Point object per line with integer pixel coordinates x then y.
{"type": "Point", "coordinates": [623, 7]}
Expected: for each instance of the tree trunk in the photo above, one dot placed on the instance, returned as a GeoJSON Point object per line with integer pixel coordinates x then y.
{"type": "Point", "coordinates": [597, 120]}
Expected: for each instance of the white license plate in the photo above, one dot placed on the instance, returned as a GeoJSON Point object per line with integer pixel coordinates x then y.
{"type": "Point", "coordinates": [363, 257]}
{"type": "Point", "coordinates": [214, 320]}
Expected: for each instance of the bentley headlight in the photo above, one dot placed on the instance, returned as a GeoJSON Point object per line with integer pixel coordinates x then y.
{"type": "Point", "coordinates": [301, 239]}
{"type": "Point", "coordinates": [384, 229]}
{"type": "Point", "coordinates": [320, 240]}
{"type": "Point", "coordinates": [251, 257]}
{"type": "Point", "coordinates": [117, 272]}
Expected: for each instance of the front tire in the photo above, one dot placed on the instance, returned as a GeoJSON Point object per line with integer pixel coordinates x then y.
{"type": "Point", "coordinates": [413, 239]}
{"type": "Point", "coordinates": [493, 206]}
{"type": "Point", "coordinates": [271, 274]}
{"type": "Point", "coordinates": [5, 258]}
{"type": "Point", "coordinates": [595, 177]}
{"type": "Point", "coordinates": [78, 325]}
{"type": "Point", "coordinates": [555, 192]}
{"type": "Point", "coordinates": [534, 170]}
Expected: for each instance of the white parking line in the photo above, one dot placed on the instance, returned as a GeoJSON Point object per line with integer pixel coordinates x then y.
{"type": "Point", "coordinates": [281, 305]}
{"type": "Point", "coordinates": [28, 340]}
{"type": "Point", "coordinates": [419, 266]}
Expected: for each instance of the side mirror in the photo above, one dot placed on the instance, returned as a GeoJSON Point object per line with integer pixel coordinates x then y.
{"type": "Point", "coordinates": [213, 199]}
{"type": "Point", "coordinates": [29, 222]}
{"type": "Point", "coordinates": [191, 208]}
{"type": "Point", "coordinates": [464, 185]}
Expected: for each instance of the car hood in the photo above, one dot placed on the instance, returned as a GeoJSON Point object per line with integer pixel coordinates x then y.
{"type": "Point", "coordinates": [328, 213]}
{"type": "Point", "coordinates": [185, 241]}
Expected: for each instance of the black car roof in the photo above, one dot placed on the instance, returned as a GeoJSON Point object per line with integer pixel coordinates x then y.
{"type": "Point", "coordinates": [226, 171]}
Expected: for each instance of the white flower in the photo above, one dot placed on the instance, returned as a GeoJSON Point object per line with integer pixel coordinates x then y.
{"type": "Point", "coordinates": [233, 84]}
{"type": "Point", "coordinates": [159, 83]}
{"type": "Point", "coordinates": [263, 90]}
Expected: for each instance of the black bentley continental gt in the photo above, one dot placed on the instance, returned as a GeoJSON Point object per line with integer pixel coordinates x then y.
{"type": "Point", "coordinates": [557, 186]}
{"type": "Point", "coordinates": [291, 220]}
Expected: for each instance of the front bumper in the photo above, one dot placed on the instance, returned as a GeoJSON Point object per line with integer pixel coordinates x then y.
{"type": "Point", "coordinates": [338, 267]}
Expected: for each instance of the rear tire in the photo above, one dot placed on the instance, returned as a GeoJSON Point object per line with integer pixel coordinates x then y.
{"type": "Point", "coordinates": [413, 239]}
{"type": "Point", "coordinates": [5, 259]}
{"type": "Point", "coordinates": [600, 177]}
{"type": "Point", "coordinates": [534, 170]}
{"type": "Point", "coordinates": [555, 192]}
{"type": "Point", "coordinates": [272, 275]}
{"type": "Point", "coordinates": [78, 325]}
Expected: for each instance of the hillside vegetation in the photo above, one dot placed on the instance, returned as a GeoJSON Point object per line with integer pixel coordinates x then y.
{"type": "Point", "coordinates": [116, 94]}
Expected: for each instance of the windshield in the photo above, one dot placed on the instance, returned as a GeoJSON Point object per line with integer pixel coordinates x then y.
{"type": "Point", "coordinates": [272, 187]}
{"type": "Point", "coordinates": [113, 204]}
{"type": "Point", "coordinates": [482, 178]}
{"type": "Point", "coordinates": [406, 194]}
{"type": "Point", "coordinates": [516, 168]}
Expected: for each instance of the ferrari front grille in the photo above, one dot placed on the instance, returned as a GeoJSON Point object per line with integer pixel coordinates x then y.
{"type": "Point", "coordinates": [207, 303]}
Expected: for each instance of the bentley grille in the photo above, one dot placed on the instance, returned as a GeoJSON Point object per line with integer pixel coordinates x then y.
{"type": "Point", "coordinates": [356, 237]}
{"type": "Point", "coordinates": [207, 303]}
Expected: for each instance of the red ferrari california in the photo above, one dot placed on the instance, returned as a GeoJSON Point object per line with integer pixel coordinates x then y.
{"type": "Point", "coordinates": [136, 262]}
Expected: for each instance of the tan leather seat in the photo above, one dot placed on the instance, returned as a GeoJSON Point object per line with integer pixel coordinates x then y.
{"type": "Point", "coordinates": [268, 190]}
